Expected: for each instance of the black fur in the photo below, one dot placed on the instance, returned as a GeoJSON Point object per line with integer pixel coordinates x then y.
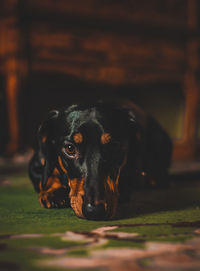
{"type": "Point", "coordinates": [139, 147]}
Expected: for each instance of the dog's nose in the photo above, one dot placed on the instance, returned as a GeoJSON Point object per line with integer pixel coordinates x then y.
{"type": "Point", "coordinates": [94, 212]}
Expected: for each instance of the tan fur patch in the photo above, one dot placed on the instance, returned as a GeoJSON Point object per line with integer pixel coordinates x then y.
{"type": "Point", "coordinates": [53, 183]}
{"type": "Point", "coordinates": [105, 138]}
{"type": "Point", "coordinates": [111, 194]}
{"type": "Point", "coordinates": [76, 195]}
{"type": "Point", "coordinates": [112, 185]}
{"type": "Point", "coordinates": [44, 139]}
{"type": "Point", "coordinates": [42, 160]}
{"type": "Point", "coordinates": [78, 138]}
{"type": "Point", "coordinates": [61, 164]}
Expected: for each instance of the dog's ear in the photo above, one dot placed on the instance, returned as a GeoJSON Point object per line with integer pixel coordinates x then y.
{"type": "Point", "coordinates": [137, 138]}
{"type": "Point", "coordinates": [45, 135]}
{"type": "Point", "coordinates": [134, 125]}
{"type": "Point", "coordinates": [47, 128]}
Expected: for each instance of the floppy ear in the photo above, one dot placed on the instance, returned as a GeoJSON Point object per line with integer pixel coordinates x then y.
{"type": "Point", "coordinates": [137, 137]}
{"type": "Point", "coordinates": [48, 125]}
{"type": "Point", "coordinates": [134, 125]}
{"type": "Point", "coordinates": [46, 132]}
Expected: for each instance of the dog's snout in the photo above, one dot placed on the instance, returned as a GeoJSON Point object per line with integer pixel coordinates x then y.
{"type": "Point", "coordinates": [94, 212]}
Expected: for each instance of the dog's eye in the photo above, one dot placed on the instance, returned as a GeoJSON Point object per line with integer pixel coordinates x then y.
{"type": "Point", "coordinates": [70, 150]}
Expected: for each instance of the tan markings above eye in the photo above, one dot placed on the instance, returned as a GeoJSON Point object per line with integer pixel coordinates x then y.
{"type": "Point", "coordinates": [44, 139]}
{"type": "Point", "coordinates": [105, 138]}
{"type": "Point", "coordinates": [78, 138]}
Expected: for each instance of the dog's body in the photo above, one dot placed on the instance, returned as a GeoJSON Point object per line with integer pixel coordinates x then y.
{"type": "Point", "coordinates": [92, 156]}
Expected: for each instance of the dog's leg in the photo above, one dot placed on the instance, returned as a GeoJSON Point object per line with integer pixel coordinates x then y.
{"type": "Point", "coordinates": [55, 193]}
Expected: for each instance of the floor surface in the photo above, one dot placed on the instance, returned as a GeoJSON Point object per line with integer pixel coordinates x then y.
{"type": "Point", "coordinates": [158, 230]}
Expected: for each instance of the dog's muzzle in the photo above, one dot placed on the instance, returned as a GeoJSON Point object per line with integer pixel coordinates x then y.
{"type": "Point", "coordinates": [94, 210]}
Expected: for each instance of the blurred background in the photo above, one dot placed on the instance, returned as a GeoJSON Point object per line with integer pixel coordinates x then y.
{"type": "Point", "coordinates": [53, 52]}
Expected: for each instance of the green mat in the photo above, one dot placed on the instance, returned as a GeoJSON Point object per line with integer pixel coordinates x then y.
{"type": "Point", "coordinates": [157, 223]}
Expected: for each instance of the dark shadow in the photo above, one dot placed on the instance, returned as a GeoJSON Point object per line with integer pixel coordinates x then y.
{"type": "Point", "coordinates": [178, 196]}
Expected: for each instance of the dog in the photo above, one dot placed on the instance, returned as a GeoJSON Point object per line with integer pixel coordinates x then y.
{"type": "Point", "coordinates": [92, 156]}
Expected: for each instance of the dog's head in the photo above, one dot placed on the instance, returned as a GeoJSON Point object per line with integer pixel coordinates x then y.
{"type": "Point", "coordinates": [90, 145]}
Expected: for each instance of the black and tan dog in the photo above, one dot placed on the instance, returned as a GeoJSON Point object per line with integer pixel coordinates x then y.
{"type": "Point", "coordinates": [92, 156]}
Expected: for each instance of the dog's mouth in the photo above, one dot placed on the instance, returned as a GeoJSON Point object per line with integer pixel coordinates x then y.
{"type": "Point", "coordinates": [99, 209]}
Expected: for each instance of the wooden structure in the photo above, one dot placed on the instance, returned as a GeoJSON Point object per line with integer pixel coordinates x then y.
{"type": "Point", "coordinates": [110, 42]}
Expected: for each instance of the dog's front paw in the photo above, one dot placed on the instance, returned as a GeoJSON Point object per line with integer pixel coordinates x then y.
{"type": "Point", "coordinates": [54, 198]}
